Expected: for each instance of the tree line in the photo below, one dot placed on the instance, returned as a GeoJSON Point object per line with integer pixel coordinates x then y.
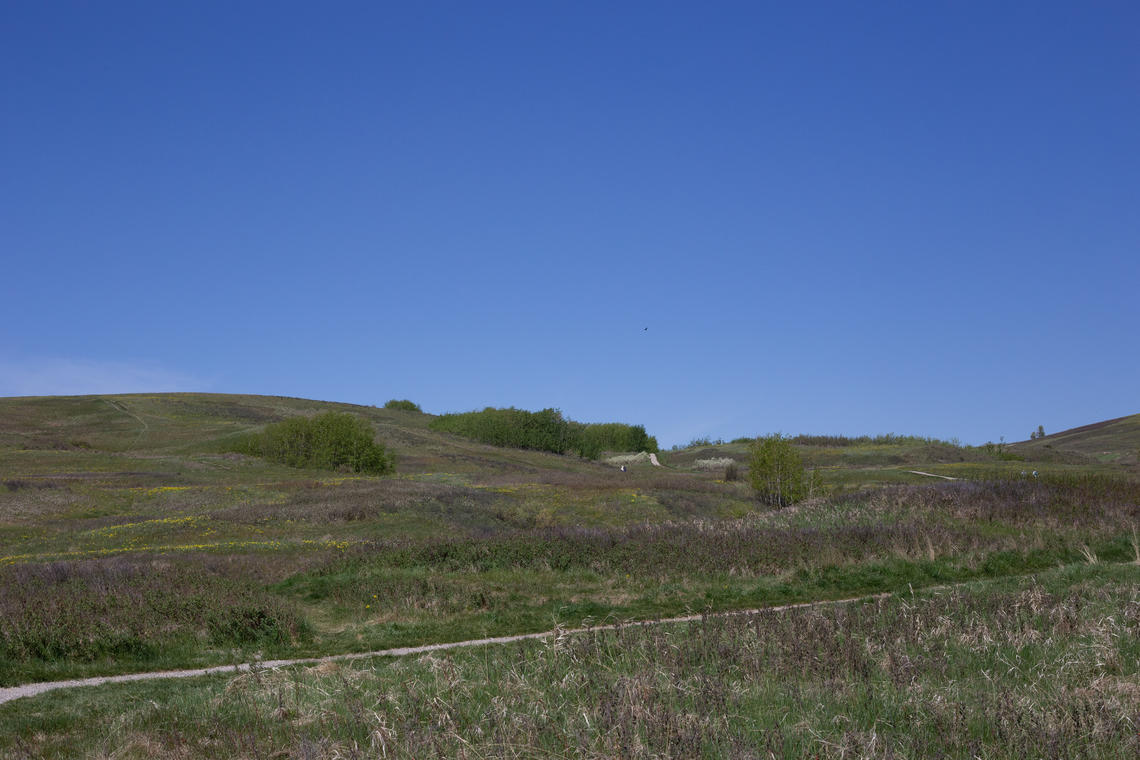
{"type": "Point", "coordinates": [545, 430]}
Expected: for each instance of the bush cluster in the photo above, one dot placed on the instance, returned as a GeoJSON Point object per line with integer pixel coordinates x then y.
{"type": "Point", "coordinates": [403, 405]}
{"type": "Point", "coordinates": [329, 441]}
{"type": "Point", "coordinates": [546, 430]}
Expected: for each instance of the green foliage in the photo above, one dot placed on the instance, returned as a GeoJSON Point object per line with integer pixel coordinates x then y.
{"type": "Point", "coordinates": [244, 443]}
{"type": "Point", "coordinates": [776, 471]}
{"type": "Point", "coordinates": [403, 405]}
{"type": "Point", "coordinates": [546, 430]}
{"type": "Point", "coordinates": [516, 428]}
{"type": "Point", "coordinates": [329, 441]}
{"type": "Point", "coordinates": [590, 440]}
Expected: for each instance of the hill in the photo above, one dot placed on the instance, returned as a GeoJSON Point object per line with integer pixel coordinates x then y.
{"type": "Point", "coordinates": [133, 537]}
{"type": "Point", "coordinates": [1115, 441]}
{"type": "Point", "coordinates": [181, 429]}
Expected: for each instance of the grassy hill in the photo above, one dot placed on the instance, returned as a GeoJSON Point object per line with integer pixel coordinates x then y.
{"type": "Point", "coordinates": [1114, 441]}
{"type": "Point", "coordinates": [133, 538]}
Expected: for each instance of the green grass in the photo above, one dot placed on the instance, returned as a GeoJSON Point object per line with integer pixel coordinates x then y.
{"type": "Point", "coordinates": [1111, 441]}
{"type": "Point", "coordinates": [155, 548]}
{"type": "Point", "coordinates": [1042, 666]}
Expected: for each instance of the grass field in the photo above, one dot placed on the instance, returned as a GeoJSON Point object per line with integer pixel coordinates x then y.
{"type": "Point", "coordinates": [132, 539]}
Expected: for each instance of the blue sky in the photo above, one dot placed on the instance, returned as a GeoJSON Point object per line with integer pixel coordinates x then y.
{"type": "Point", "coordinates": [833, 217]}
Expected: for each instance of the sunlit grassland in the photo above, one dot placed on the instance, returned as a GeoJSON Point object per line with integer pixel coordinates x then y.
{"type": "Point", "coordinates": [364, 564]}
{"type": "Point", "coordinates": [1041, 666]}
{"type": "Point", "coordinates": [161, 550]}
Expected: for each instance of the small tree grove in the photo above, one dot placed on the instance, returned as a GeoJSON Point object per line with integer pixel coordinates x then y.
{"type": "Point", "coordinates": [545, 430]}
{"type": "Point", "coordinates": [777, 471]}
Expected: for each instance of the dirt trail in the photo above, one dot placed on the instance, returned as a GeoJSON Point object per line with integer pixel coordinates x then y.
{"type": "Point", "coordinates": [10, 693]}
{"type": "Point", "coordinates": [121, 407]}
{"type": "Point", "coordinates": [932, 475]}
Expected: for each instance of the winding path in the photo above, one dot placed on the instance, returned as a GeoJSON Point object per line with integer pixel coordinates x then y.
{"type": "Point", "coordinates": [121, 407]}
{"type": "Point", "coordinates": [10, 693]}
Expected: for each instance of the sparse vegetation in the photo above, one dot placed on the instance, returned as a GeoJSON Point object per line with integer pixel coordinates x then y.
{"type": "Point", "coordinates": [885, 439]}
{"type": "Point", "coordinates": [713, 464]}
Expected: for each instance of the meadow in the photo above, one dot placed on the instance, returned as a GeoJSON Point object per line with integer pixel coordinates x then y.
{"type": "Point", "coordinates": [1043, 666]}
{"type": "Point", "coordinates": [132, 539]}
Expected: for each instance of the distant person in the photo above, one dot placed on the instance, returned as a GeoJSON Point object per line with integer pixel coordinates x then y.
{"type": "Point", "coordinates": [623, 468]}
{"type": "Point", "coordinates": [1035, 473]}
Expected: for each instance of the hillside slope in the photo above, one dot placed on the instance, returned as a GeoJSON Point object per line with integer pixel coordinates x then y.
{"type": "Point", "coordinates": [177, 426]}
{"type": "Point", "coordinates": [133, 538]}
{"type": "Point", "coordinates": [1111, 441]}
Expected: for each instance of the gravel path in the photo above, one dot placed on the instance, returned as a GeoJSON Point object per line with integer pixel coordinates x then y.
{"type": "Point", "coordinates": [932, 475]}
{"type": "Point", "coordinates": [31, 689]}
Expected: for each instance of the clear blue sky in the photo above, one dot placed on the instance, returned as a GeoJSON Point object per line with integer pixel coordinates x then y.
{"type": "Point", "coordinates": [832, 216]}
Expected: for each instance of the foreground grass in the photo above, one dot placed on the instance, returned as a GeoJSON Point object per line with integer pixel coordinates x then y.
{"type": "Point", "coordinates": [1041, 666]}
{"type": "Point", "coordinates": [365, 565]}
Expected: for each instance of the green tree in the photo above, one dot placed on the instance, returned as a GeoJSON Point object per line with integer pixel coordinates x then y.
{"type": "Point", "coordinates": [777, 471]}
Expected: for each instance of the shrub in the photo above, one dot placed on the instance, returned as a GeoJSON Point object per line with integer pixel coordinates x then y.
{"type": "Point", "coordinates": [403, 405]}
{"type": "Point", "coordinates": [328, 441]}
{"type": "Point", "coordinates": [776, 471]}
